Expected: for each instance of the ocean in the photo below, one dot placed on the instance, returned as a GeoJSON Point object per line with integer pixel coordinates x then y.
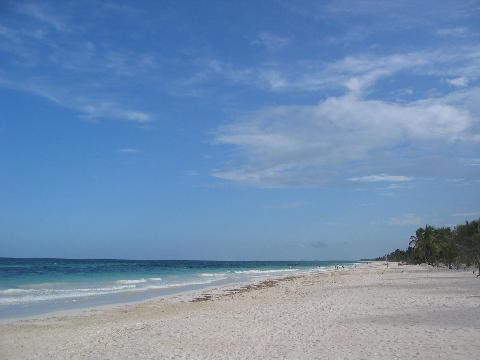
{"type": "Point", "coordinates": [36, 286]}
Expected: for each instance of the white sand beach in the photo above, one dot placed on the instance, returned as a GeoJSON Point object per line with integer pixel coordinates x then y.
{"type": "Point", "coordinates": [402, 312]}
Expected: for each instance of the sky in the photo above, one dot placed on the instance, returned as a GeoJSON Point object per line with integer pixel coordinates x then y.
{"type": "Point", "coordinates": [241, 130]}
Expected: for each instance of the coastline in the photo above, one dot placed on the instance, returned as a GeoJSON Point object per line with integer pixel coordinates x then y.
{"type": "Point", "coordinates": [180, 296]}
{"type": "Point", "coordinates": [30, 287]}
{"type": "Point", "coordinates": [185, 294]}
{"type": "Point", "coordinates": [70, 297]}
{"type": "Point", "coordinates": [367, 312]}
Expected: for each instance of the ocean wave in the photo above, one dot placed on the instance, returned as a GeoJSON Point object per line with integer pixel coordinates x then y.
{"type": "Point", "coordinates": [213, 274]}
{"type": "Point", "coordinates": [182, 284]}
{"type": "Point", "coordinates": [15, 291]}
{"type": "Point", "coordinates": [24, 296]}
{"type": "Point", "coordinates": [102, 289]}
{"type": "Point", "coordinates": [131, 281]}
{"type": "Point", "coordinates": [265, 271]}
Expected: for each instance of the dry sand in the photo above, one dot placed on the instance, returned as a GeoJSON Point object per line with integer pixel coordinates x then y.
{"type": "Point", "coordinates": [403, 312]}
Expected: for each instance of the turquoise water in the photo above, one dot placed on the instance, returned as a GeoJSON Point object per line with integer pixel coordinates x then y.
{"type": "Point", "coordinates": [36, 286]}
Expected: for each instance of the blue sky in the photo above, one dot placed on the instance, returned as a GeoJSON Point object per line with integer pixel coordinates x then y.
{"type": "Point", "coordinates": [235, 130]}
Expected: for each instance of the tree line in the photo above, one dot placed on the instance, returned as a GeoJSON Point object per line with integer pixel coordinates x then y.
{"type": "Point", "coordinates": [452, 247]}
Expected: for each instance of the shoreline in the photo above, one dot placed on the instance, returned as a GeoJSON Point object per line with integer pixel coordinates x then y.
{"type": "Point", "coordinates": [368, 312]}
{"type": "Point", "coordinates": [185, 295]}
{"type": "Point", "coordinates": [171, 294]}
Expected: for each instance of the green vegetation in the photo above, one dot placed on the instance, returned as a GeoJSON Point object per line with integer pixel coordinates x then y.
{"type": "Point", "coordinates": [435, 246]}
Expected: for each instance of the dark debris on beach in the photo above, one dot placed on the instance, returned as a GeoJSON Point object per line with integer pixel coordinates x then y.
{"type": "Point", "coordinates": [228, 292]}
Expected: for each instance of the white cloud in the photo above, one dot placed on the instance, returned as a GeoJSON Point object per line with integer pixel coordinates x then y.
{"type": "Point", "coordinates": [355, 74]}
{"type": "Point", "coordinates": [102, 109]}
{"type": "Point", "coordinates": [458, 82]}
{"type": "Point", "coordinates": [360, 72]}
{"type": "Point", "coordinates": [309, 145]}
{"type": "Point", "coordinates": [381, 178]}
{"type": "Point", "coordinates": [305, 145]}
{"type": "Point", "coordinates": [263, 76]}
{"type": "Point", "coordinates": [407, 219]}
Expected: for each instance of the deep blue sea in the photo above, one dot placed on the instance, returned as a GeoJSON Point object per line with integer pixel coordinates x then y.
{"type": "Point", "coordinates": [36, 286]}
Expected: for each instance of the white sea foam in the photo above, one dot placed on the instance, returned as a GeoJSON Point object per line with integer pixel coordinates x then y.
{"type": "Point", "coordinates": [131, 281]}
{"type": "Point", "coordinates": [213, 274]}
{"type": "Point", "coordinates": [253, 272]}
{"type": "Point", "coordinates": [55, 292]}
{"type": "Point", "coordinates": [43, 295]}
{"type": "Point", "coordinates": [15, 291]}
{"type": "Point", "coordinates": [24, 296]}
{"type": "Point", "coordinates": [182, 284]}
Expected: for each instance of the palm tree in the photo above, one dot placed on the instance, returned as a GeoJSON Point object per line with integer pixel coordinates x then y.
{"type": "Point", "coordinates": [424, 244]}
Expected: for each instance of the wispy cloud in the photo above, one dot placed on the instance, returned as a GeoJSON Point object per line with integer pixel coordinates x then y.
{"type": "Point", "coordinates": [381, 15]}
{"type": "Point", "coordinates": [354, 74]}
{"type": "Point", "coordinates": [381, 178]}
{"type": "Point", "coordinates": [215, 70]}
{"type": "Point", "coordinates": [192, 173]}
{"type": "Point", "coordinates": [360, 72]}
{"type": "Point", "coordinates": [407, 219]}
{"type": "Point", "coordinates": [121, 8]}
{"type": "Point", "coordinates": [88, 107]}
{"type": "Point", "coordinates": [47, 57]}
{"type": "Point", "coordinates": [308, 145]}
{"type": "Point", "coordinates": [472, 162]}
{"type": "Point", "coordinates": [128, 151]}
{"type": "Point", "coordinates": [304, 144]}
{"type": "Point", "coordinates": [452, 31]}
{"type": "Point", "coordinates": [285, 206]}
{"type": "Point", "coordinates": [94, 110]}
{"type": "Point", "coordinates": [467, 214]}
{"type": "Point", "coordinates": [458, 82]}
{"type": "Point", "coordinates": [270, 41]}
{"type": "Point", "coordinates": [43, 13]}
